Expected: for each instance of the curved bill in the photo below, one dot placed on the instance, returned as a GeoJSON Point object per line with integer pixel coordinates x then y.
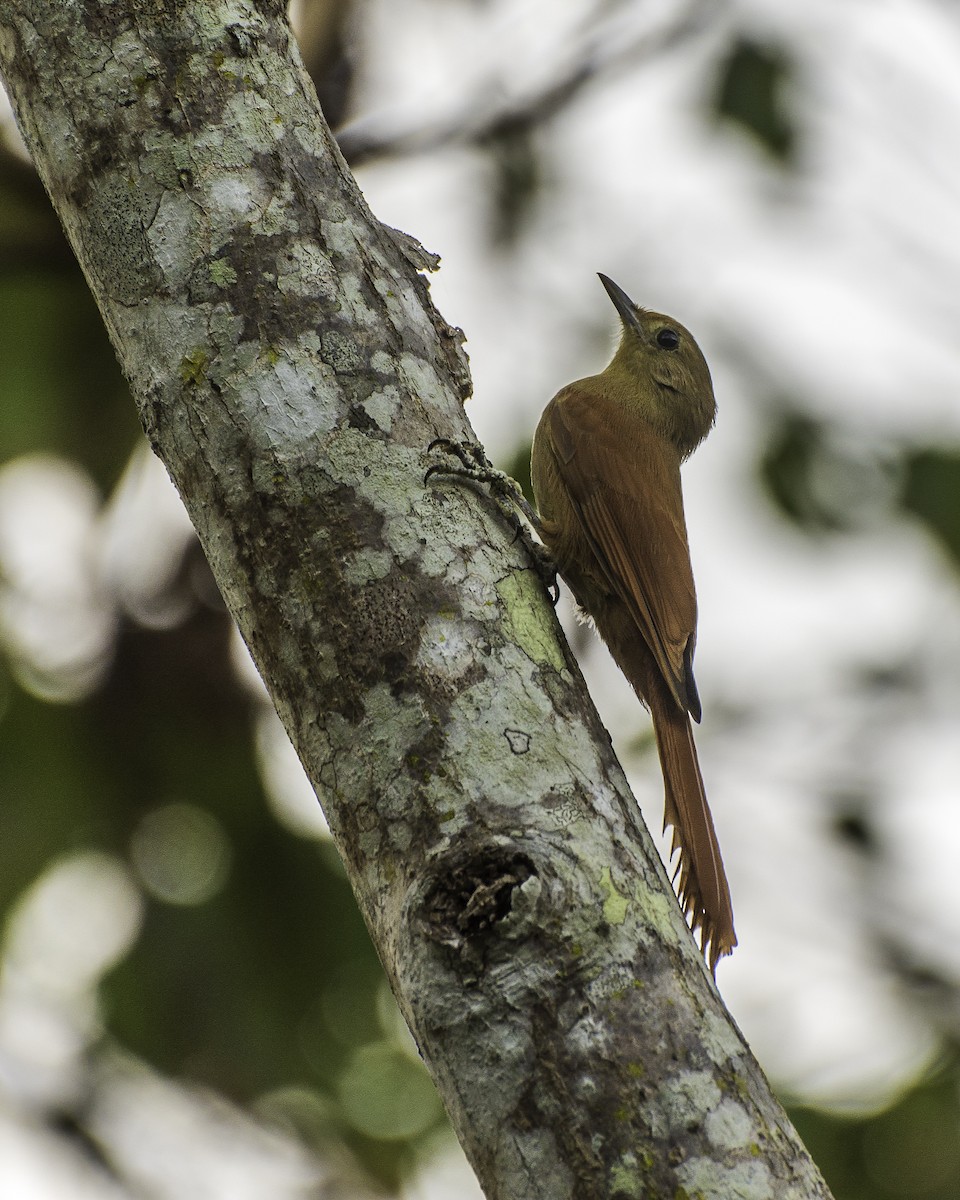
{"type": "Point", "coordinates": [621, 302]}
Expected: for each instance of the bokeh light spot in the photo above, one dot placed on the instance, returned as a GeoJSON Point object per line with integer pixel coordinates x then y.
{"type": "Point", "coordinates": [181, 854]}
{"type": "Point", "coordinates": [386, 1095]}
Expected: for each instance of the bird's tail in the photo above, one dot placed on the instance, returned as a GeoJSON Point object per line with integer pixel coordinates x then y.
{"type": "Point", "coordinates": [700, 878]}
{"type": "Point", "coordinates": [702, 883]}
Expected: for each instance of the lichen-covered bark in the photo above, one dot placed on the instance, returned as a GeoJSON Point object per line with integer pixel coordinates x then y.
{"type": "Point", "coordinates": [291, 372]}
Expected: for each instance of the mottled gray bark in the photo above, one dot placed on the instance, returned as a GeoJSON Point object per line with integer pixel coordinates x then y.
{"type": "Point", "coordinates": [291, 371]}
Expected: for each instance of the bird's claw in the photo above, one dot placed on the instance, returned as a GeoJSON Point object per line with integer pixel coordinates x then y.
{"type": "Point", "coordinates": [546, 568]}
{"type": "Point", "coordinates": [476, 468]}
{"type": "Point", "coordinates": [471, 454]}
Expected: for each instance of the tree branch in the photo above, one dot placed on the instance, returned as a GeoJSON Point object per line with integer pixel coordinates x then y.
{"type": "Point", "coordinates": [290, 371]}
{"type": "Point", "coordinates": [486, 117]}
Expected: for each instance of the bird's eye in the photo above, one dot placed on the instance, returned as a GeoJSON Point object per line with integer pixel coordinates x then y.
{"type": "Point", "coordinates": [668, 339]}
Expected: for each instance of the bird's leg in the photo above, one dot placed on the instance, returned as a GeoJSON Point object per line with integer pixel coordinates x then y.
{"type": "Point", "coordinates": [476, 469]}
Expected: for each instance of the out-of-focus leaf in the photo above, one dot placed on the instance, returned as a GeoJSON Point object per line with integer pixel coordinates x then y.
{"type": "Point", "coordinates": [53, 785]}
{"type": "Point", "coordinates": [31, 238]}
{"type": "Point", "coordinates": [931, 492]}
{"type": "Point", "coordinates": [327, 34]}
{"type": "Point", "coordinates": [60, 387]}
{"type": "Point", "coordinates": [750, 92]}
{"type": "Point", "coordinates": [517, 179]}
{"type": "Point", "coordinates": [907, 1152]}
{"type": "Point", "coordinates": [853, 824]}
{"type": "Point", "coordinates": [518, 468]}
{"type": "Point", "coordinates": [788, 470]}
{"type": "Point", "coordinates": [827, 478]}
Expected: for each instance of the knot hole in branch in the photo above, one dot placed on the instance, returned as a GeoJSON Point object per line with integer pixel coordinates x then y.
{"type": "Point", "coordinates": [470, 897]}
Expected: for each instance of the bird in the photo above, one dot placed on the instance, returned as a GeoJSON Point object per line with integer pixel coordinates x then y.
{"type": "Point", "coordinates": [605, 470]}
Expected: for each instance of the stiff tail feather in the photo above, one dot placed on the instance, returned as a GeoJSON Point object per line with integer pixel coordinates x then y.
{"type": "Point", "coordinates": [704, 893]}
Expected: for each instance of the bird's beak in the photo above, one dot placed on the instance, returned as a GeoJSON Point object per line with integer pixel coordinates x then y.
{"type": "Point", "coordinates": [622, 303]}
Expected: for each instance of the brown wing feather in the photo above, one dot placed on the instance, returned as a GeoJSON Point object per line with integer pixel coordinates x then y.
{"type": "Point", "coordinates": [615, 523]}
{"type": "Point", "coordinates": [637, 532]}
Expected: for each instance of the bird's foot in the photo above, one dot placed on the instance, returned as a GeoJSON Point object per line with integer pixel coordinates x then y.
{"type": "Point", "coordinates": [544, 565]}
{"type": "Point", "coordinates": [475, 468]}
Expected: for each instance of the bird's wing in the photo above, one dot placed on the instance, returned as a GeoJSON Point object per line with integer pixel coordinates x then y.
{"type": "Point", "coordinates": [626, 494]}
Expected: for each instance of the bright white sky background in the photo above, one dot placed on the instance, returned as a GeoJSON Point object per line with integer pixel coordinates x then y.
{"type": "Point", "coordinates": [843, 284]}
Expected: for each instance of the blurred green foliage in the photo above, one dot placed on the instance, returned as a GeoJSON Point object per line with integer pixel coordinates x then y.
{"type": "Point", "coordinates": [516, 161]}
{"type": "Point", "coordinates": [911, 1151]}
{"type": "Point", "coordinates": [753, 82]}
{"type": "Point", "coordinates": [931, 492]}
{"type": "Point", "coordinates": [54, 397]}
{"type": "Point", "coordinates": [824, 481]}
{"type": "Point", "coordinates": [824, 478]}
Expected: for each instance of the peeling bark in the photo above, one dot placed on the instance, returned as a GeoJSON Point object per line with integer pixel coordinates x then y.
{"type": "Point", "coordinates": [290, 371]}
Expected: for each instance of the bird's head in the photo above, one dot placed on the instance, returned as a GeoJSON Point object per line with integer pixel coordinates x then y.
{"type": "Point", "coordinates": [659, 361]}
